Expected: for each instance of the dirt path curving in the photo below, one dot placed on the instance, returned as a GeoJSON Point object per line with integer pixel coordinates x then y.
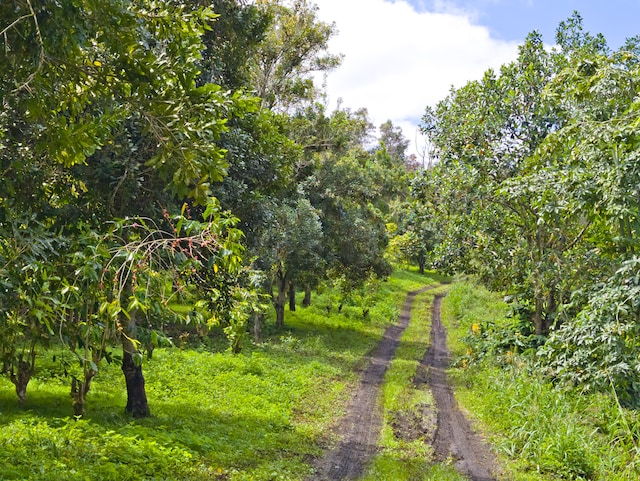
{"type": "Point", "coordinates": [454, 437]}
{"type": "Point", "coordinates": [360, 428]}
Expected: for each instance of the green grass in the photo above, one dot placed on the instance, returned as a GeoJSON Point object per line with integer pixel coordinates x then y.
{"type": "Point", "coordinates": [400, 399]}
{"type": "Point", "coordinates": [540, 431]}
{"type": "Point", "coordinates": [261, 415]}
{"type": "Point", "coordinates": [388, 467]}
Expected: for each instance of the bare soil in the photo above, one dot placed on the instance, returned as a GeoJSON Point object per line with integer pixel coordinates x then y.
{"type": "Point", "coordinates": [358, 431]}
{"type": "Point", "coordinates": [454, 438]}
{"type": "Point", "coordinates": [442, 425]}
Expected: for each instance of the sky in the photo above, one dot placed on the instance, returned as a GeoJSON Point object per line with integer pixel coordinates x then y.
{"type": "Point", "coordinates": [401, 56]}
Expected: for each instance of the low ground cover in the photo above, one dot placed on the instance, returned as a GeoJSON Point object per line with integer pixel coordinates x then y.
{"type": "Point", "coordinates": [261, 415]}
{"type": "Point", "coordinates": [541, 431]}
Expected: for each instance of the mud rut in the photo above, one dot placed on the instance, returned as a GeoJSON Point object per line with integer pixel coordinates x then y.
{"type": "Point", "coordinates": [359, 430]}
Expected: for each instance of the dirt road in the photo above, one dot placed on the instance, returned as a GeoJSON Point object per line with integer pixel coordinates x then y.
{"type": "Point", "coordinates": [454, 437]}
{"type": "Point", "coordinates": [360, 428]}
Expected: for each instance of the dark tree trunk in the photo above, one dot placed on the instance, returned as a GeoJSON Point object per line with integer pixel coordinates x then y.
{"type": "Point", "coordinates": [292, 297]}
{"type": "Point", "coordinates": [538, 320]}
{"type": "Point", "coordinates": [280, 315]}
{"type": "Point", "coordinates": [137, 404]}
{"type": "Point", "coordinates": [23, 376]}
{"type": "Point", "coordinates": [79, 390]}
{"type": "Point", "coordinates": [257, 327]}
{"type": "Point", "coordinates": [280, 299]}
{"type": "Point", "coordinates": [421, 264]}
{"type": "Point", "coordinates": [552, 307]}
{"type": "Point", "coordinates": [306, 302]}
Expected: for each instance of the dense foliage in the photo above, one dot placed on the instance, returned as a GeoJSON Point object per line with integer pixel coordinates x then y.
{"type": "Point", "coordinates": [540, 432]}
{"type": "Point", "coordinates": [535, 192]}
{"type": "Point", "coordinates": [169, 167]}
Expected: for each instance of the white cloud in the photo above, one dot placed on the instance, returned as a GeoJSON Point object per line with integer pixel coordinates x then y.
{"type": "Point", "coordinates": [398, 60]}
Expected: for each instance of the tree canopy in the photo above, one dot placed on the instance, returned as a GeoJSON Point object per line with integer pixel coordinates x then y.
{"type": "Point", "coordinates": [535, 192]}
{"type": "Point", "coordinates": [161, 164]}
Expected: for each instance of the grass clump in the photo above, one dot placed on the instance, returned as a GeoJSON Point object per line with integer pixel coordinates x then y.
{"type": "Point", "coordinates": [388, 467]}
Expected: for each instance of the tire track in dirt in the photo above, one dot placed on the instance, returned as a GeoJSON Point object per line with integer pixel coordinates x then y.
{"type": "Point", "coordinates": [358, 431]}
{"type": "Point", "coordinates": [454, 437]}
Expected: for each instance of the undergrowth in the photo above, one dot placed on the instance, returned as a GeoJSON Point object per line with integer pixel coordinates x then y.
{"type": "Point", "coordinates": [542, 431]}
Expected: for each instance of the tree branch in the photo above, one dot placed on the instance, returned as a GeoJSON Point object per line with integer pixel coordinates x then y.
{"type": "Point", "coordinates": [25, 85]}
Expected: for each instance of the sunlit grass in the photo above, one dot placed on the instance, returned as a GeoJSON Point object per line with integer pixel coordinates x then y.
{"type": "Point", "coordinates": [262, 415]}
{"type": "Point", "coordinates": [542, 432]}
{"type": "Point", "coordinates": [387, 467]}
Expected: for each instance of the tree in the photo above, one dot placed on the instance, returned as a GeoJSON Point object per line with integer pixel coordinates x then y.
{"type": "Point", "coordinates": [68, 105]}
{"type": "Point", "coordinates": [291, 248]}
{"type": "Point", "coordinates": [262, 159]}
{"type": "Point", "coordinates": [486, 134]}
{"type": "Point", "coordinates": [594, 345]}
{"type": "Point", "coordinates": [415, 236]}
{"type": "Point", "coordinates": [30, 301]}
{"type": "Point", "coordinates": [536, 185]}
{"type": "Point", "coordinates": [394, 142]}
{"type": "Point", "coordinates": [294, 48]}
{"type": "Point", "coordinates": [111, 121]}
{"type": "Point", "coordinates": [346, 191]}
{"type": "Point", "coordinates": [232, 41]}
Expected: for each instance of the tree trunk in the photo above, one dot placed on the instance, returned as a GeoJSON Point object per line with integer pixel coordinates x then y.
{"type": "Point", "coordinates": [279, 305]}
{"type": "Point", "coordinates": [23, 376]}
{"type": "Point", "coordinates": [257, 327]}
{"type": "Point", "coordinates": [79, 390]}
{"type": "Point", "coordinates": [292, 297]}
{"type": "Point", "coordinates": [538, 320]}
{"type": "Point", "coordinates": [306, 302]}
{"type": "Point", "coordinates": [280, 299]}
{"type": "Point", "coordinates": [137, 404]}
{"type": "Point", "coordinates": [552, 307]}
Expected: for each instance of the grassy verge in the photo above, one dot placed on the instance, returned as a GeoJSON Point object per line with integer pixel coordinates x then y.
{"type": "Point", "coordinates": [261, 415]}
{"type": "Point", "coordinates": [540, 431]}
{"type": "Point", "coordinates": [409, 420]}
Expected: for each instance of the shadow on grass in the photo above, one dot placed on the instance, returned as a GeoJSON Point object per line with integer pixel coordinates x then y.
{"type": "Point", "coordinates": [198, 437]}
{"type": "Point", "coordinates": [51, 403]}
{"type": "Point", "coordinates": [213, 414]}
{"type": "Point", "coordinates": [44, 404]}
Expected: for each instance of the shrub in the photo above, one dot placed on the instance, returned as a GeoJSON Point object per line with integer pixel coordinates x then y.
{"type": "Point", "coordinates": [598, 348]}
